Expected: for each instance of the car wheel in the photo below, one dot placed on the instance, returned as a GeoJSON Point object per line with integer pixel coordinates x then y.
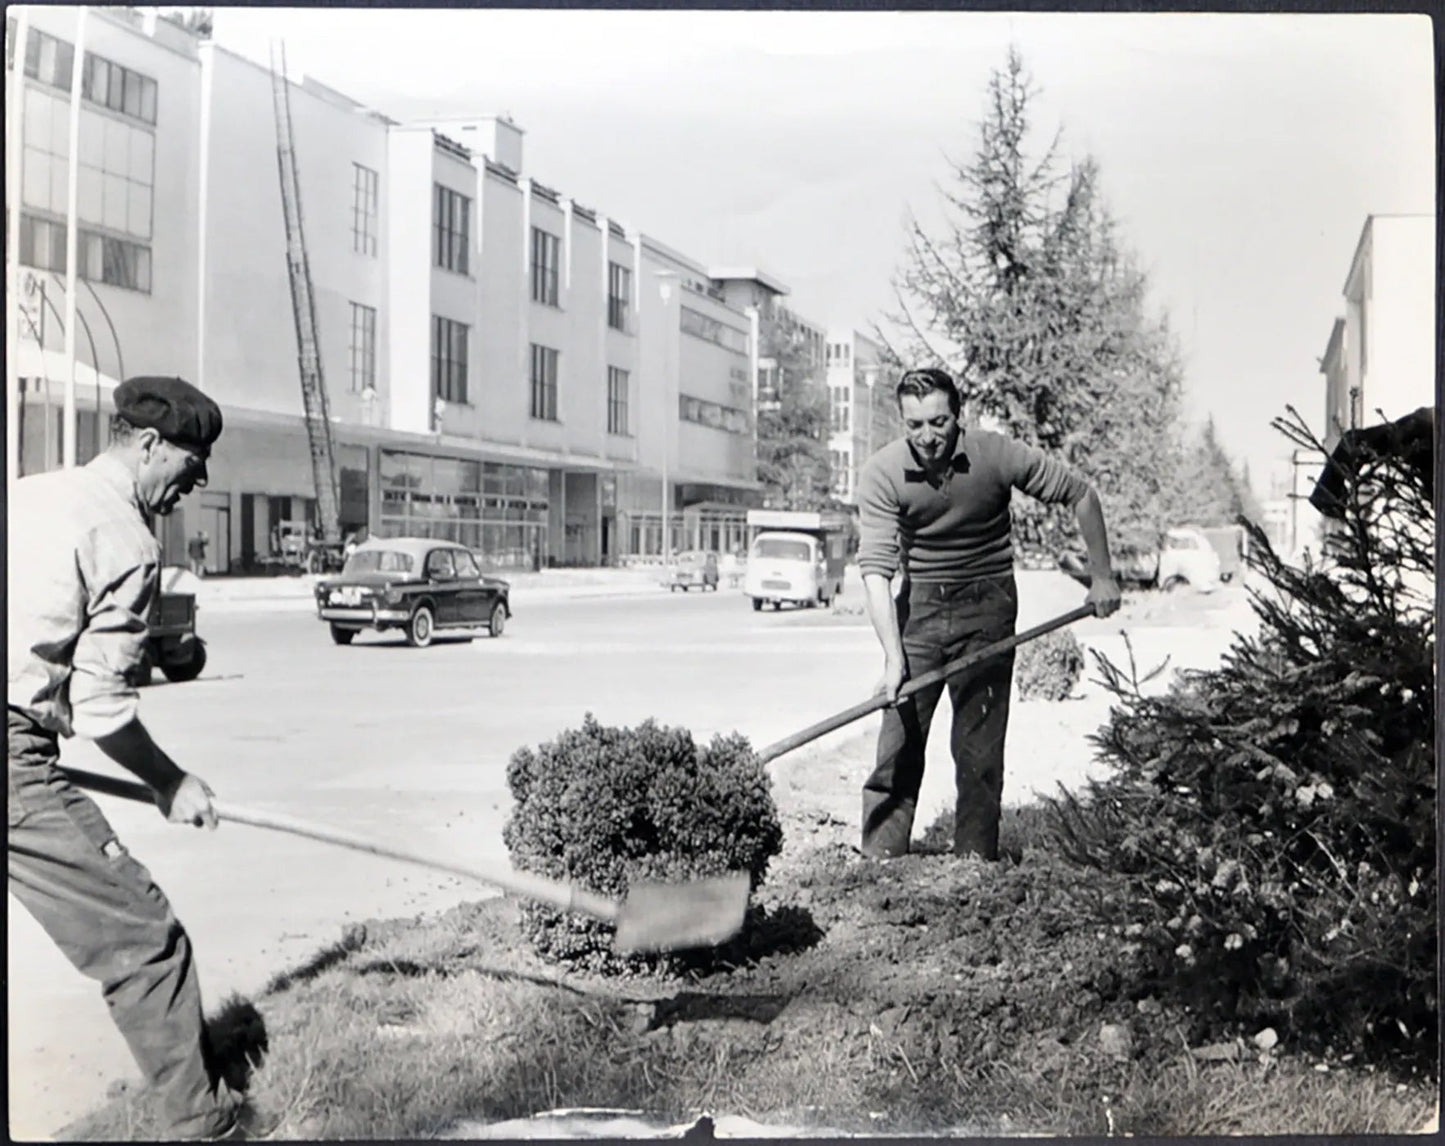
{"type": "Point", "coordinates": [419, 629]}
{"type": "Point", "coordinates": [1174, 584]}
{"type": "Point", "coordinates": [757, 605]}
{"type": "Point", "coordinates": [497, 620]}
{"type": "Point", "coordinates": [342, 636]}
{"type": "Point", "coordinates": [187, 670]}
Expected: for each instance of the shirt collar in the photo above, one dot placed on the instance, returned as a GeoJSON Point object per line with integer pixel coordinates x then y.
{"type": "Point", "coordinates": [957, 464]}
{"type": "Point", "coordinates": [110, 470]}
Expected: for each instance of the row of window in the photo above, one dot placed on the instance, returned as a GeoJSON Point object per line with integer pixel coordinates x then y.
{"type": "Point", "coordinates": [712, 414]}
{"type": "Point", "coordinates": [710, 329]}
{"type": "Point", "coordinates": [99, 258]}
{"type": "Point", "coordinates": [51, 60]}
{"type": "Point", "coordinates": [451, 227]}
{"type": "Point", "coordinates": [449, 345]}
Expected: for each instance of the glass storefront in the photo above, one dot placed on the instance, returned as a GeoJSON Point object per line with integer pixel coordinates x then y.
{"type": "Point", "coordinates": [722, 529]}
{"type": "Point", "coordinates": [497, 509]}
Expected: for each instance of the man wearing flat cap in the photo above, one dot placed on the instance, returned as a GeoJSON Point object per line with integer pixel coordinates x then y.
{"type": "Point", "coordinates": [83, 573]}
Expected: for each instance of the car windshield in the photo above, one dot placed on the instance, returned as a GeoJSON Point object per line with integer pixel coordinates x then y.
{"type": "Point", "coordinates": [379, 561]}
{"type": "Point", "coordinates": [1180, 541]}
{"type": "Point", "coordinates": [781, 549]}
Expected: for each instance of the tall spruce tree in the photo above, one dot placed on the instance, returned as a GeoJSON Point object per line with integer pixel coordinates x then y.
{"type": "Point", "coordinates": [1027, 297]}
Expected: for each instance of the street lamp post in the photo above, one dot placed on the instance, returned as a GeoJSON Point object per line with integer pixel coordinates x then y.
{"type": "Point", "coordinates": [667, 285]}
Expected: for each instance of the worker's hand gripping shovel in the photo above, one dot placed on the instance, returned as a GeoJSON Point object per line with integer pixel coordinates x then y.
{"type": "Point", "coordinates": [652, 916]}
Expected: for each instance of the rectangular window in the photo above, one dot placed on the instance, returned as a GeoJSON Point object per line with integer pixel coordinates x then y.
{"type": "Point", "coordinates": [710, 329]}
{"type": "Point", "coordinates": [712, 414]}
{"type": "Point", "coordinates": [546, 266]}
{"type": "Point", "coordinates": [99, 258]}
{"type": "Point", "coordinates": [47, 59]}
{"type": "Point", "coordinates": [363, 348]}
{"type": "Point", "coordinates": [117, 174]}
{"type": "Point", "coordinates": [451, 227]}
{"type": "Point", "coordinates": [119, 89]}
{"type": "Point", "coordinates": [449, 360]}
{"type": "Point", "coordinates": [364, 209]}
{"type": "Point", "coordinates": [619, 295]}
{"type": "Point", "coordinates": [839, 463]}
{"type": "Point", "coordinates": [544, 383]}
{"type": "Point", "coordinates": [42, 243]}
{"type": "Point", "coordinates": [618, 420]}
{"type": "Point", "coordinates": [840, 410]}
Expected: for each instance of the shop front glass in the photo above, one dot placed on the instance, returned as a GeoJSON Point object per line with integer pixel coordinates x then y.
{"type": "Point", "coordinates": [498, 510]}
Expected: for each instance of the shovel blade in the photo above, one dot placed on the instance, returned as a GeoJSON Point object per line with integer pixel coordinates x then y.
{"type": "Point", "coordinates": [677, 916]}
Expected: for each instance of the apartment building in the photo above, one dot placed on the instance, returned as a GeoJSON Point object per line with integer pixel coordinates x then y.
{"type": "Point", "coordinates": [860, 398]}
{"type": "Point", "coordinates": [505, 365]}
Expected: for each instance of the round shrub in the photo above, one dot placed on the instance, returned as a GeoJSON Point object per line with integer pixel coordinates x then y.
{"type": "Point", "coordinates": [600, 807]}
{"type": "Point", "coordinates": [1049, 667]}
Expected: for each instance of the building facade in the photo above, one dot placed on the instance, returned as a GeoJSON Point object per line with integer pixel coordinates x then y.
{"type": "Point", "coordinates": [1381, 356]}
{"type": "Point", "coordinates": [505, 366]}
{"type": "Point", "coordinates": [863, 415]}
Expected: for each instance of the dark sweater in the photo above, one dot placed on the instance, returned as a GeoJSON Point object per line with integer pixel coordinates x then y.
{"type": "Point", "coordinates": [959, 528]}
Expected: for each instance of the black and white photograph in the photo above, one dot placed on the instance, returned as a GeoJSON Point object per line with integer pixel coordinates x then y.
{"type": "Point", "coordinates": [720, 573]}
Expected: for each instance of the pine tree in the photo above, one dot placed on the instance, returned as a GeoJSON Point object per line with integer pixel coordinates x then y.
{"type": "Point", "coordinates": [1029, 300]}
{"type": "Point", "coordinates": [1274, 819]}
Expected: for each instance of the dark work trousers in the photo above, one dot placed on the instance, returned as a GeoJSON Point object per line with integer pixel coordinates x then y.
{"type": "Point", "coordinates": [940, 623]}
{"type": "Point", "coordinates": [106, 914]}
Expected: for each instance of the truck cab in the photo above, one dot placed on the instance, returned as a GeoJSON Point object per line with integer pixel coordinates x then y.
{"type": "Point", "coordinates": [795, 557]}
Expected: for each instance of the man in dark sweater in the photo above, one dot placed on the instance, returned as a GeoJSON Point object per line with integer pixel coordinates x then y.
{"type": "Point", "coordinates": [936, 502]}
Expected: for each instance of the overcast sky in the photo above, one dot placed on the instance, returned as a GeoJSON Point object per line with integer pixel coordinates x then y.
{"type": "Point", "coordinates": [1241, 154]}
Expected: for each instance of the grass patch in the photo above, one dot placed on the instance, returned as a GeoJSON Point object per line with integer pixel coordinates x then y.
{"type": "Point", "coordinates": [936, 995]}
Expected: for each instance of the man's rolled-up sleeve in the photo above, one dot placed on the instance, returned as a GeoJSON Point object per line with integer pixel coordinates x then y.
{"type": "Point", "coordinates": [1042, 476]}
{"type": "Point", "coordinates": [877, 523]}
{"type": "Point", "coordinates": [111, 644]}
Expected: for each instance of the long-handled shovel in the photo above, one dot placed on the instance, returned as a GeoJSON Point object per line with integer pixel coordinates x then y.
{"type": "Point", "coordinates": [652, 917]}
{"type": "Point", "coordinates": [952, 668]}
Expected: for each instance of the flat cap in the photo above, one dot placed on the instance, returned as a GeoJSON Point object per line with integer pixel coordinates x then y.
{"type": "Point", "coordinates": [171, 406]}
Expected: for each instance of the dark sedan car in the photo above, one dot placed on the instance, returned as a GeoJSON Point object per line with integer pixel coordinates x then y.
{"type": "Point", "coordinates": [414, 584]}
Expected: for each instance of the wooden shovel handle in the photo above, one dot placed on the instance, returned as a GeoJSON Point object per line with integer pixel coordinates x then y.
{"type": "Point", "coordinates": [522, 883]}
{"type": "Point", "coordinates": [953, 668]}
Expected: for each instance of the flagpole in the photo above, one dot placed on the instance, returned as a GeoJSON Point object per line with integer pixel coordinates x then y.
{"type": "Point", "coordinates": [14, 153]}
{"type": "Point", "coordinates": [72, 243]}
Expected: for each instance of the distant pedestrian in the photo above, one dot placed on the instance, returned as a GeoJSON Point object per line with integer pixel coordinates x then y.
{"type": "Point", "coordinates": [76, 610]}
{"type": "Point", "coordinates": [934, 504]}
{"type": "Point", "coordinates": [196, 551]}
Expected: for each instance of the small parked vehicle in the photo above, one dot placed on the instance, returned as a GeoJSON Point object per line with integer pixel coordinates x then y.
{"type": "Point", "coordinates": [1184, 557]}
{"type": "Point", "coordinates": [415, 584]}
{"type": "Point", "coordinates": [171, 641]}
{"type": "Point", "coordinates": [693, 569]}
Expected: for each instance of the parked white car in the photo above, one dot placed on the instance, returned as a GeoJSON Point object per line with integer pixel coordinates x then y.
{"type": "Point", "coordinates": [1187, 558]}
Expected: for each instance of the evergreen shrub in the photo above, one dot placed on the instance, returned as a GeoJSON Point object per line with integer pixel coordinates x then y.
{"type": "Point", "coordinates": [1275, 819]}
{"type": "Point", "coordinates": [600, 807]}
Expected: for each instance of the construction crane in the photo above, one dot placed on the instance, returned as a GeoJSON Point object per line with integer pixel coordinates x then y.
{"type": "Point", "coordinates": [303, 306]}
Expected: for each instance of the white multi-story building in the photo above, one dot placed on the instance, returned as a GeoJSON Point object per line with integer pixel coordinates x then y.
{"type": "Point", "coordinates": [860, 398]}
{"type": "Point", "coordinates": [1380, 356]}
{"type": "Point", "coordinates": [505, 365]}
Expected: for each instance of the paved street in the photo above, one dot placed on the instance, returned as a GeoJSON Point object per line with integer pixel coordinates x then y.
{"type": "Point", "coordinates": [406, 745]}
{"type": "Point", "coordinates": [411, 746]}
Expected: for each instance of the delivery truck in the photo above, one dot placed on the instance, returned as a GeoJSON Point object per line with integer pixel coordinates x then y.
{"type": "Point", "coordinates": [796, 557]}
